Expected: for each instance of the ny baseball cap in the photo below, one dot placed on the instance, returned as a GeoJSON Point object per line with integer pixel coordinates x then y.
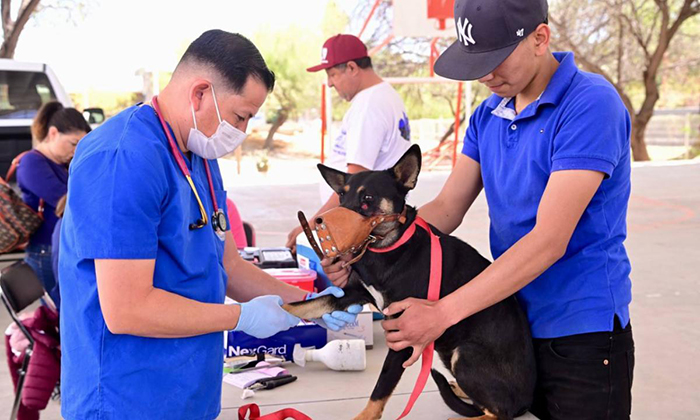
{"type": "Point", "coordinates": [340, 49]}
{"type": "Point", "coordinates": [487, 33]}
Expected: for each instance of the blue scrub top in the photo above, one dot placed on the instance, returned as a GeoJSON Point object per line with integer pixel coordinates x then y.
{"type": "Point", "coordinates": [127, 199]}
{"type": "Point", "coordinates": [579, 122]}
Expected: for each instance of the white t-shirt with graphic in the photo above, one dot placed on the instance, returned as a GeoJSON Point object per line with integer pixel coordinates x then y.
{"type": "Point", "coordinates": [375, 133]}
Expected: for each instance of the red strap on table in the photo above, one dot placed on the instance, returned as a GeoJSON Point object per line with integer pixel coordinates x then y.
{"type": "Point", "coordinates": [433, 295]}
{"type": "Point", "coordinates": [287, 413]}
{"type": "Point", "coordinates": [252, 408]}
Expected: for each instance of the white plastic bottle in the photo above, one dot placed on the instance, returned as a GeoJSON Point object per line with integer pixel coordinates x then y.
{"type": "Point", "coordinates": [337, 355]}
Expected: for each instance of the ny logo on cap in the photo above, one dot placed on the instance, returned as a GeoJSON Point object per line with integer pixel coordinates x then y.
{"type": "Point", "coordinates": [324, 55]}
{"type": "Point", "coordinates": [520, 32]}
{"type": "Point", "coordinates": [464, 32]}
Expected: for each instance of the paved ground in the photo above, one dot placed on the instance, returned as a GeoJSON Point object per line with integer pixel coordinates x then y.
{"type": "Point", "coordinates": [664, 225]}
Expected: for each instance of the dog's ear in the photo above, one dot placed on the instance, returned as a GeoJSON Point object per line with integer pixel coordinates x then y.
{"type": "Point", "coordinates": [407, 168]}
{"type": "Point", "coordinates": [335, 178]}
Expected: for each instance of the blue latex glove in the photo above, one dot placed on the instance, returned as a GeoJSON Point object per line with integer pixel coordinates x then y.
{"type": "Point", "coordinates": [263, 317]}
{"type": "Point", "coordinates": [336, 320]}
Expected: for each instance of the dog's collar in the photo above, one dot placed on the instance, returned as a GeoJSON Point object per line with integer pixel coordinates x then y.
{"type": "Point", "coordinates": [407, 234]}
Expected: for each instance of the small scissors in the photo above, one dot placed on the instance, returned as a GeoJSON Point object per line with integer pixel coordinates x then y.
{"type": "Point", "coordinates": [273, 382]}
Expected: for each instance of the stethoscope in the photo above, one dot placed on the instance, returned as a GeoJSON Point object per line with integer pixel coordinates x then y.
{"type": "Point", "coordinates": [218, 219]}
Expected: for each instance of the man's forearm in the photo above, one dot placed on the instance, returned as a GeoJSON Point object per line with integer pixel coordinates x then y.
{"type": "Point", "coordinates": [447, 210]}
{"type": "Point", "coordinates": [438, 214]}
{"type": "Point", "coordinates": [131, 305]}
{"type": "Point", "coordinates": [515, 269]}
{"type": "Point", "coordinates": [246, 281]}
{"type": "Point", "coordinates": [162, 314]}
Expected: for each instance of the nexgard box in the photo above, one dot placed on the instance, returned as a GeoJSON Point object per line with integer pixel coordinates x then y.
{"type": "Point", "coordinates": [307, 334]}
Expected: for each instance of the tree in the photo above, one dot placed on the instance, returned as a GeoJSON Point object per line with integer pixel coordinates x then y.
{"type": "Point", "coordinates": [12, 27]}
{"type": "Point", "coordinates": [295, 88]}
{"type": "Point", "coordinates": [288, 53]}
{"type": "Point", "coordinates": [680, 84]}
{"type": "Point", "coordinates": [626, 42]}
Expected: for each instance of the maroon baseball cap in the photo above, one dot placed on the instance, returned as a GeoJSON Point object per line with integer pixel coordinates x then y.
{"type": "Point", "coordinates": [340, 49]}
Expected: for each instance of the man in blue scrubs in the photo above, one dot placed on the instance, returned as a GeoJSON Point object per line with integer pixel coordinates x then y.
{"type": "Point", "coordinates": [550, 148]}
{"type": "Point", "coordinates": [146, 259]}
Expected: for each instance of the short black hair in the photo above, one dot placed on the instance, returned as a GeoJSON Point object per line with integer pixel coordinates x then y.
{"type": "Point", "coordinates": [363, 63]}
{"type": "Point", "coordinates": [232, 55]}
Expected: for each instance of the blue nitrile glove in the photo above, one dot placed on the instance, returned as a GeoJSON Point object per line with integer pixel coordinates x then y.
{"type": "Point", "coordinates": [336, 320]}
{"type": "Point", "coordinates": [263, 317]}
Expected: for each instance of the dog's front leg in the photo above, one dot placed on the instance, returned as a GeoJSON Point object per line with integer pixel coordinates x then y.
{"type": "Point", "coordinates": [390, 376]}
{"type": "Point", "coordinates": [355, 293]}
{"type": "Point", "coordinates": [314, 308]}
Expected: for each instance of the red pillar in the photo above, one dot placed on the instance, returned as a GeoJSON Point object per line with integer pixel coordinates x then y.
{"type": "Point", "coordinates": [369, 17]}
{"type": "Point", "coordinates": [434, 54]}
{"type": "Point", "coordinates": [323, 122]}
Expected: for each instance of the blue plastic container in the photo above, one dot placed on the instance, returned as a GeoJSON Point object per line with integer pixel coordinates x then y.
{"type": "Point", "coordinates": [307, 258]}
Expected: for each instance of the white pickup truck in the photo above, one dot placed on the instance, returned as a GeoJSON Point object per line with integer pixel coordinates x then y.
{"type": "Point", "coordinates": [24, 88]}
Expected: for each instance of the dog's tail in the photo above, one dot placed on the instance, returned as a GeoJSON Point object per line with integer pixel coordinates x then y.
{"type": "Point", "coordinates": [454, 402]}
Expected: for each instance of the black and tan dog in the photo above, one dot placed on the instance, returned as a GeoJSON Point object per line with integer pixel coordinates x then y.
{"type": "Point", "coordinates": [490, 353]}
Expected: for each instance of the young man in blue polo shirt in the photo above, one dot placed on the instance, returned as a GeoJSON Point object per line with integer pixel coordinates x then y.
{"type": "Point", "coordinates": [551, 150]}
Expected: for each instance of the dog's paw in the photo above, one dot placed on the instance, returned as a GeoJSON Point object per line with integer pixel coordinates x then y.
{"type": "Point", "coordinates": [364, 416]}
{"type": "Point", "coordinates": [373, 410]}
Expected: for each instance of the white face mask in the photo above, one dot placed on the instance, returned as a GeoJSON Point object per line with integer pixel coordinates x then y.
{"type": "Point", "coordinates": [224, 141]}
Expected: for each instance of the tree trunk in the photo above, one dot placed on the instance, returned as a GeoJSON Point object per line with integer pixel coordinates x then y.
{"type": "Point", "coordinates": [11, 29]}
{"type": "Point", "coordinates": [450, 131]}
{"type": "Point", "coordinates": [639, 146]}
{"type": "Point", "coordinates": [280, 119]}
{"type": "Point", "coordinates": [641, 120]}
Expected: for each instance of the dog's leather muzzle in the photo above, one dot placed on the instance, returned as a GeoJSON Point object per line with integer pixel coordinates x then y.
{"type": "Point", "coordinates": [342, 231]}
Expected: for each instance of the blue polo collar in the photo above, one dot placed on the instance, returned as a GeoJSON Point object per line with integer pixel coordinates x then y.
{"type": "Point", "coordinates": [555, 90]}
{"type": "Point", "coordinates": [561, 80]}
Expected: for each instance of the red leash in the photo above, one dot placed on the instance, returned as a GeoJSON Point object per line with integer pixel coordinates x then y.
{"type": "Point", "coordinates": [433, 295]}
{"type": "Point", "coordinates": [254, 410]}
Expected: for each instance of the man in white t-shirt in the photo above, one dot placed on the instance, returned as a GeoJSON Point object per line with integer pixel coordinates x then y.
{"type": "Point", "coordinates": [375, 131]}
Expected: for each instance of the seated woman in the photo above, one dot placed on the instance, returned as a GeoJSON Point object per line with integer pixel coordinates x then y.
{"type": "Point", "coordinates": [42, 176]}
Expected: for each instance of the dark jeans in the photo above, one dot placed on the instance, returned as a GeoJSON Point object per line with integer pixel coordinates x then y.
{"type": "Point", "coordinates": [585, 376]}
{"type": "Point", "coordinates": [39, 258]}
